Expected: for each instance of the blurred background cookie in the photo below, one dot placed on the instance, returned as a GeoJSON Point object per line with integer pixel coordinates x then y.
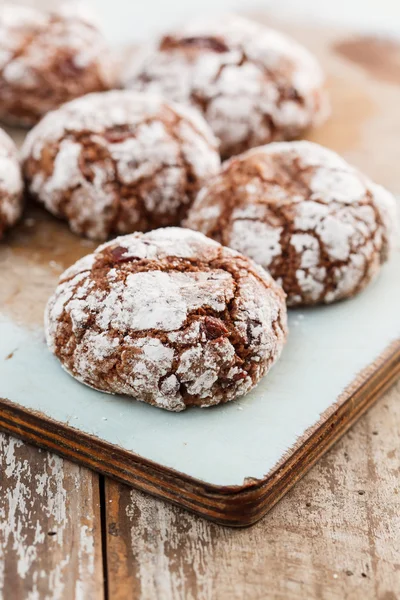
{"type": "Point", "coordinates": [11, 185]}
{"type": "Point", "coordinates": [47, 58]}
{"type": "Point", "coordinates": [319, 226]}
{"type": "Point", "coordinates": [118, 162]}
{"type": "Point", "coordinates": [253, 84]}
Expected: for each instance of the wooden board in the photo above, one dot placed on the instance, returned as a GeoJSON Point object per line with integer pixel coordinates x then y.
{"type": "Point", "coordinates": [41, 247]}
{"type": "Point", "coordinates": [326, 378]}
{"type": "Point", "coordinates": [334, 536]}
{"type": "Point", "coordinates": [50, 538]}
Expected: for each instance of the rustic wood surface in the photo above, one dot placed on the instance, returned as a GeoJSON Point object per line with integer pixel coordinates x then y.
{"type": "Point", "coordinates": [50, 533]}
{"type": "Point", "coordinates": [335, 535]}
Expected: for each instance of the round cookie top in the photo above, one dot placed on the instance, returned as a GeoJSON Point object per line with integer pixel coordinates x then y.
{"type": "Point", "coordinates": [318, 225]}
{"type": "Point", "coordinates": [47, 58]}
{"type": "Point", "coordinates": [11, 185]}
{"type": "Point", "coordinates": [119, 161]}
{"type": "Point", "coordinates": [169, 317]}
{"type": "Point", "coordinates": [253, 84]}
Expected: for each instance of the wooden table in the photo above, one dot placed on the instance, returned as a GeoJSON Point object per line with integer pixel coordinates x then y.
{"type": "Point", "coordinates": [67, 533]}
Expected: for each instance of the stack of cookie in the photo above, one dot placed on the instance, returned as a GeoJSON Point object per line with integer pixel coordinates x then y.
{"type": "Point", "coordinates": [189, 306]}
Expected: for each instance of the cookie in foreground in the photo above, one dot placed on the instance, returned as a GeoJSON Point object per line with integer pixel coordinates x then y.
{"type": "Point", "coordinates": [169, 317]}
{"type": "Point", "coordinates": [319, 226]}
{"type": "Point", "coordinates": [254, 85]}
{"type": "Point", "coordinates": [118, 162]}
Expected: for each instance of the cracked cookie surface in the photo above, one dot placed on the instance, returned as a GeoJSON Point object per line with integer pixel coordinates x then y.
{"type": "Point", "coordinates": [46, 59]}
{"type": "Point", "coordinates": [254, 85]}
{"type": "Point", "coordinates": [319, 226]}
{"type": "Point", "coordinates": [169, 317]}
{"type": "Point", "coordinates": [118, 162]}
{"type": "Point", "coordinates": [11, 184]}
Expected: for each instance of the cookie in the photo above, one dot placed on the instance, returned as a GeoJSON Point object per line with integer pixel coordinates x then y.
{"type": "Point", "coordinates": [11, 185]}
{"type": "Point", "coordinates": [47, 58]}
{"type": "Point", "coordinates": [254, 85]}
{"type": "Point", "coordinates": [118, 162]}
{"type": "Point", "coordinates": [319, 226]}
{"type": "Point", "coordinates": [169, 317]}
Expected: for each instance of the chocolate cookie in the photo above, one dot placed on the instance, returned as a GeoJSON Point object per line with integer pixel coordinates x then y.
{"type": "Point", "coordinates": [11, 185]}
{"type": "Point", "coordinates": [169, 317]}
{"type": "Point", "coordinates": [321, 228]}
{"type": "Point", "coordinates": [47, 58]}
{"type": "Point", "coordinates": [119, 162]}
{"type": "Point", "coordinates": [253, 84]}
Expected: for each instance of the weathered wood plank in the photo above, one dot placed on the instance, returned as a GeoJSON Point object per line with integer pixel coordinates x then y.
{"type": "Point", "coordinates": [50, 535]}
{"type": "Point", "coordinates": [334, 536]}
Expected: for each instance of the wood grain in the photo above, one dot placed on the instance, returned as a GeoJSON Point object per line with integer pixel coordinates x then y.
{"type": "Point", "coordinates": [334, 536]}
{"type": "Point", "coordinates": [50, 536]}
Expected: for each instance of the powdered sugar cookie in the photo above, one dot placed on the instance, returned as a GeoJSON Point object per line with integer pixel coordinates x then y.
{"type": "Point", "coordinates": [11, 185]}
{"type": "Point", "coordinates": [253, 84]}
{"type": "Point", "coordinates": [118, 162]}
{"type": "Point", "coordinates": [47, 58]}
{"type": "Point", "coordinates": [169, 317]}
{"type": "Point", "coordinates": [320, 227]}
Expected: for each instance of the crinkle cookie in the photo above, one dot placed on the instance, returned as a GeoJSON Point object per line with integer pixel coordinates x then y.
{"type": "Point", "coordinates": [254, 85]}
{"type": "Point", "coordinates": [118, 162]}
{"type": "Point", "coordinates": [47, 58]}
{"type": "Point", "coordinates": [169, 317]}
{"type": "Point", "coordinates": [319, 226]}
{"type": "Point", "coordinates": [11, 185]}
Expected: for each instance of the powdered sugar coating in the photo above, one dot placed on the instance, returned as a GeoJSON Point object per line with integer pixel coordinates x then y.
{"type": "Point", "coordinates": [11, 185]}
{"type": "Point", "coordinates": [119, 162]}
{"type": "Point", "coordinates": [169, 317]}
{"type": "Point", "coordinates": [319, 226]}
{"type": "Point", "coordinates": [253, 84]}
{"type": "Point", "coordinates": [47, 58]}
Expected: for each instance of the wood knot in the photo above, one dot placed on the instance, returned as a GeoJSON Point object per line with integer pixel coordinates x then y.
{"type": "Point", "coordinates": [113, 529]}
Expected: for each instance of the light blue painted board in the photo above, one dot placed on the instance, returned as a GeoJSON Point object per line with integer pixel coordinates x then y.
{"type": "Point", "coordinates": [327, 347]}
